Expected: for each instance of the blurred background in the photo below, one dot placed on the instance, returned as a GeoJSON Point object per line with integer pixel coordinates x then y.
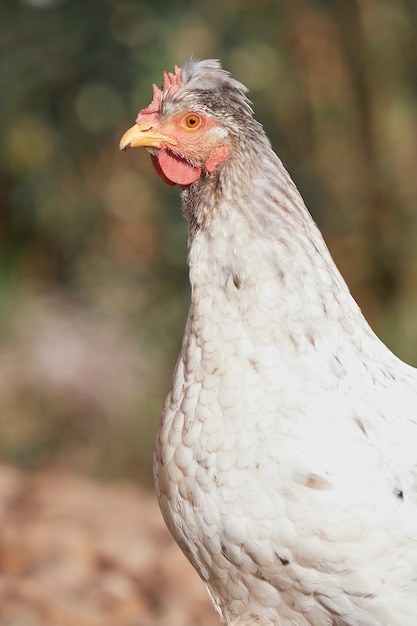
{"type": "Point", "coordinates": [93, 276]}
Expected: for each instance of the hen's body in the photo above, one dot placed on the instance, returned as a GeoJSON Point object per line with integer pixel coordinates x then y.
{"type": "Point", "coordinates": [286, 460]}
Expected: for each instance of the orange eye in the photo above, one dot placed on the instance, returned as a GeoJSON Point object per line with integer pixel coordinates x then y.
{"type": "Point", "coordinates": [192, 121]}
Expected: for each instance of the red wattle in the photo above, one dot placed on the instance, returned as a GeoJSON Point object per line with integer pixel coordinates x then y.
{"type": "Point", "coordinates": [174, 170]}
{"type": "Point", "coordinates": [159, 171]}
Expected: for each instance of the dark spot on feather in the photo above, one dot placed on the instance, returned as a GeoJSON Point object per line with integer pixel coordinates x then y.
{"type": "Point", "coordinates": [293, 340]}
{"type": "Point", "coordinates": [361, 426]}
{"type": "Point", "coordinates": [337, 366]}
{"type": "Point", "coordinates": [314, 481]}
{"type": "Point", "coordinates": [388, 374]}
{"type": "Point", "coordinates": [254, 364]}
{"type": "Point", "coordinates": [399, 493]}
{"type": "Point", "coordinates": [236, 281]}
{"type": "Point", "coordinates": [311, 340]}
{"type": "Point", "coordinates": [259, 575]}
{"type": "Point", "coordinates": [224, 552]}
{"type": "Point", "coordinates": [283, 560]}
{"type": "Point", "coordinates": [281, 274]}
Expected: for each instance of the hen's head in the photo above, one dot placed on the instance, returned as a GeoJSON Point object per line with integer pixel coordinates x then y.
{"type": "Point", "coordinates": [192, 122]}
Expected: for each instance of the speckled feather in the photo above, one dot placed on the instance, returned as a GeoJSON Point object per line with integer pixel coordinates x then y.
{"type": "Point", "coordinates": [286, 457]}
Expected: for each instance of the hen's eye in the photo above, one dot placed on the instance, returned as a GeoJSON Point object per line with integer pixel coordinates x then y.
{"type": "Point", "coordinates": [192, 121]}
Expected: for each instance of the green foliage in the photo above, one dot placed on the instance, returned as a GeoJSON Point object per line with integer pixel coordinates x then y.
{"type": "Point", "coordinates": [92, 244]}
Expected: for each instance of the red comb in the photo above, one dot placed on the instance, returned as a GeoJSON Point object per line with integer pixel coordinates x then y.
{"type": "Point", "coordinates": [171, 84]}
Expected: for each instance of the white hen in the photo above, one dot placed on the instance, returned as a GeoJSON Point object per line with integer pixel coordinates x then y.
{"type": "Point", "coordinates": [286, 460]}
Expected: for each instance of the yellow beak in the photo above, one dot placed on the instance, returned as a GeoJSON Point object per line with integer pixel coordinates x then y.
{"type": "Point", "coordinates": [143, 135]}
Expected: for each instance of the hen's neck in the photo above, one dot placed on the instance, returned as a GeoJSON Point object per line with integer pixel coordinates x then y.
{"type": "Point", "coordinates": [264, 285]}
{"type": "Point", "coordinates": [250, 225]}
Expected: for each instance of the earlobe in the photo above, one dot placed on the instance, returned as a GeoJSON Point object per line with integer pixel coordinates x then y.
{"type": "Point", "coordinates": [217, 155]}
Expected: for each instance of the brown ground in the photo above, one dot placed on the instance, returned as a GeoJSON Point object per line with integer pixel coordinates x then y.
{"type": "Point", "coordinates": [77, 553]}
